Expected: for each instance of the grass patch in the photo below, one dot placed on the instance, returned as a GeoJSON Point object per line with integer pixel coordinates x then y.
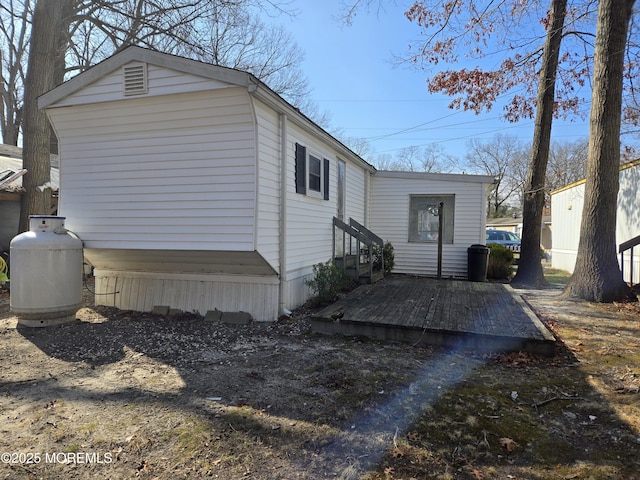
{"type": "Point", "coordinates": [557, 276]}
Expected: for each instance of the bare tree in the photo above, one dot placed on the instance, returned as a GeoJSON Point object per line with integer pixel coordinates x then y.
{"type": "Point", "coordinates": [428, 159]}
{"type": "Point", "coordinates": [14, 27]}
{"type": "Point", "coordinates": [498, 159]}
{"type": "Point", "coordinates": [597, 274]}
{"type": "Point", "coordinates": [567, 164]}
{"type": "Point", "coordinates": [361, 146]}
{"type": "Point", "coordinates": [384, 161]}
{"type": "Point", "coordinates": [236, 37]}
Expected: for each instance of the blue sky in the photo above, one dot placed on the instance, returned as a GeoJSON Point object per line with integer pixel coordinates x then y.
{"type": "Point", "coordinates": [353, 78]}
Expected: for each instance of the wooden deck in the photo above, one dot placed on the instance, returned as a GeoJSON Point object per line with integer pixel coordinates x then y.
{"type": "Point", "coordinates": [418, 310]}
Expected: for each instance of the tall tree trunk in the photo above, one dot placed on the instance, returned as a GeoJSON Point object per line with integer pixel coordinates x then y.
{"type": "Point", "coordinates": [597, 275]}
{"type": "Point", "coordinates": [48, 20]}
{"type": "Point", "coordinates": [530, 266]}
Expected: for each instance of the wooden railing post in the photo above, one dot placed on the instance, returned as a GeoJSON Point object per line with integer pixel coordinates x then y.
{"type": "Point", "coordinates": [440, 225]}
{"type": "Point", "coordinates": [628, 245]}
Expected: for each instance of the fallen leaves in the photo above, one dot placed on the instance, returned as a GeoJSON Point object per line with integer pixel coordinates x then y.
{"type": "Point", "coordinates": [517, 359]}
{"type": "Point", "coordinates": [397, 453]}
{"type": "Point", "coordinates": [508, 444]}
{"type": "Point", "coordinates": [477, 474]}
{"type": "Point", "coordinates": [413, 436]}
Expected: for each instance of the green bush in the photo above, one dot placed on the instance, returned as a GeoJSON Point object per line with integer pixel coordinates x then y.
{"type": "Point", "coordinates": [500, 262]}
{"type": "Point", "coordinates": [328, 281]}
{"type": "Point", "coordinates": [386, 253]}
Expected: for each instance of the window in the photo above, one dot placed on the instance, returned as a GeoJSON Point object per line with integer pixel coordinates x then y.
{"type": "Point", "coordinates": [423, 218]}
{"type": "Point", "coordinates": [315, 174]}
{"type": "Point", "coordinates": [312, 174]}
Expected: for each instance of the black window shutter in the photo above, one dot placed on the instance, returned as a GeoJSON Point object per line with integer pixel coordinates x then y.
{"type": "Point", "coordinates": [301, 169]}
{"type": "Point", "coordinates": [326, 179]}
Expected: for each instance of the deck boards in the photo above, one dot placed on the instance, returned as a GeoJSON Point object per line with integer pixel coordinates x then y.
{"type": "Point", "coordinates": [421, 310]}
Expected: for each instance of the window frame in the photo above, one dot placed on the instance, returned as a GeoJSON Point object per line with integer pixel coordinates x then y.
{"type": "Point", "coordinates": [304, 173]}
{"type": "Point", "coordinates": [424, 215]}
{"type": "Point", "coordinates": [311, 191]}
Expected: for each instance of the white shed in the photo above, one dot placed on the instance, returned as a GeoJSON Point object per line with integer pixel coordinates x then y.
{"type": "Point", "coordinates": [566, 214]}
{"type": "Point", "coordinates": [197, 187]}
{"type": "Point", "coordinates": [403, 211]}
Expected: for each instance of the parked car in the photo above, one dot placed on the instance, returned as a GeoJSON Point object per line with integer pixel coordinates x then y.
{"type": "Point", "coordinates": [506, 238]}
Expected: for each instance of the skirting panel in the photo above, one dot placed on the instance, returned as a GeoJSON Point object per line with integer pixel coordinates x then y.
{"type": "Point", "coordinates": [141, 291]}
{"type": "Point", "coordinates": [295, 291]}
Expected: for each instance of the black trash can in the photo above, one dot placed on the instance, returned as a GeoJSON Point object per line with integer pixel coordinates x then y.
{"type": "Point", "coordinates": [477, 263]}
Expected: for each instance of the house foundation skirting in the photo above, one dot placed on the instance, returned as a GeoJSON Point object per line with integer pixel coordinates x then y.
{"type": "Point", "coordinates": [197, 293]}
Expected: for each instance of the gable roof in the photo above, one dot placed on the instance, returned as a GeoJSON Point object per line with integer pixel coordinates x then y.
{"type": "Point", "coordinates": [206, 70]}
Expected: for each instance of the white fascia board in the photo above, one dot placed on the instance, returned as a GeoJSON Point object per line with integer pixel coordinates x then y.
{"type": "Point", "coordinates": [449, 177]}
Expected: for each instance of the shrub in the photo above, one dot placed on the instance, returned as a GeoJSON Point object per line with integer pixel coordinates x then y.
{"type": "Point", "coordinates": [328, 280]}
{"type": "Point", "coordinates": [500, 261]}
{"type": "Point", "coordinates": [386, 253]}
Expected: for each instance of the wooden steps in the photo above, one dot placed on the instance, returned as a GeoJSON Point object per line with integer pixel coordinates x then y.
{"type": "Point", "coordinates": [357, 238]}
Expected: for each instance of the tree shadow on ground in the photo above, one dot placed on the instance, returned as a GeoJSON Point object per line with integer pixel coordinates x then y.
{"type": "Point", "coordinates": [181, 396]}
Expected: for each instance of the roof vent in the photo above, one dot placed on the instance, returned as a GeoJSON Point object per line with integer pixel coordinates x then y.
{"type": "Point", "coordinates": [135, 78]}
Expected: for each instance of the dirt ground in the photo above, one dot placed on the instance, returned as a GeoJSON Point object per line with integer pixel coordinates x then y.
{"type": "Point", "coordinates": [125, 395]}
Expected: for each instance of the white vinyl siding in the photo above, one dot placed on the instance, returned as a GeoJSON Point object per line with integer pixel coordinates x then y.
{"type": "Point", "coordinates": [309, 219]}
{"type": "Point", "coordinates": [628, 217]}
{"type": "Point", "coordinates": [566, 216]}
{"type": "Point", "coordinates": [269, 159]}
{"type": "Point", "coordinates": [355, 193]}
{"type": "Point", "coordinates": [175, 174]}
{"type": "Point", "coordinates": [566, 213]}
{"type": "Point", "coordinates": [390, 202]}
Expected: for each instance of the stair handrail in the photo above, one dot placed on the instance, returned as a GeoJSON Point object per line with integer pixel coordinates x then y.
{"type": "Point", "coordinates": [624, 246]}
{"type": "Point", "coordinates": [374, 238]}
{"type": "Point", "coordinates": [366, 231]}
{"type": "Point", "coordinates": [363, 236]}
{"type": "Point", "coordinates": [354, 232]}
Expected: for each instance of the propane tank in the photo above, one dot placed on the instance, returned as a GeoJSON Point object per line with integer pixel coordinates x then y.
{"type": "Point", "coordinates": [46, 273]}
